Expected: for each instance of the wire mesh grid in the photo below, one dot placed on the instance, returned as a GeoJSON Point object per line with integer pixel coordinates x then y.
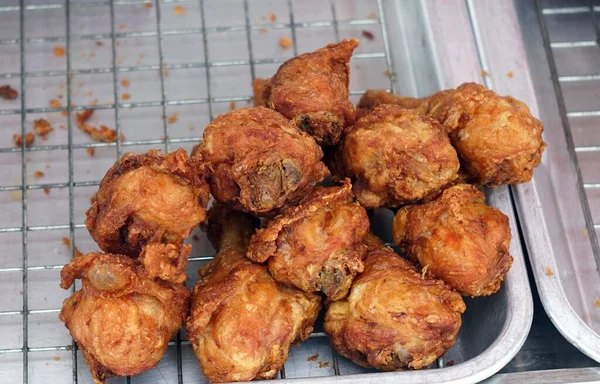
{"type": "Point", "coordinates": [572, 38]}
{"type": "Point", "coordinates": [206, 54]}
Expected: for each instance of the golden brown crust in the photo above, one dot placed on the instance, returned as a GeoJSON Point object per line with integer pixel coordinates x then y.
{"type": "Point", "coordinates": [242, 322]}
{"type": "Point", "coordinates": [166, 261]}
{"type": "Point", "coordinates": [312, 90]}
{"type": "Point", "coordinates": [260, 161]}
{"type": "Point", "coordinates": [394, 318]}
{"type": "Point", "coordinates": [396, 156]}
{"type": "Point", "coordinates": [317, 245]}
{"type": "Point", "coordinates": [497, 138]}
{"type": "Point", "coordinates": [373, 98]}
{"type": "Point", "coordinates": [148, 198]}
{"type": "Point", "coordinates": [459, 239]}
{"type": "Point", "coordinates": [121, 318]}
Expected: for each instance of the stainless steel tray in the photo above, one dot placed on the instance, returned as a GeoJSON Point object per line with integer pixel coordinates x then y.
{"type": "Point", "coordinates": [193, 66]}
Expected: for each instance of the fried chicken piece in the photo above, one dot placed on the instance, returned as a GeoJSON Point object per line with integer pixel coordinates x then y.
{"type": "Point", "coordinates": [497, 138]}
{"type": "Point", "coordinates": [242, 322]}
{"type": "Point", "coordinates": [121, 319]}
{"type": "Point", "coordinates": [260, 161]}
{"type": "Point", "coordinates": [317, 245]}
{"type": "Point", "coordinates": [459, 239]}
{"type": "Point", "coordinates": [312, 90]}
{"type": "Point", "coordinates": [394, 318]}
{"type": "Point", "coordinates": [395, 156]}
{"type": "Point", "coordinates": [148, 198]}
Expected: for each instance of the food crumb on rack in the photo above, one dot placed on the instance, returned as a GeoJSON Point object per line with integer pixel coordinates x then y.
{"type": "Point", "coordinates": [368, 35]}
{"type": "Point", "coordinates": [42, 127]}
{"type": "Point", "coordinates": [47, 191]}
{"type": "Point", "coordinates": [323, 364]}
{"type": "Point", "coordinates": [56, 358]}
{"type": "Point", "coordinates": [263, 30]}
{"type": "Point", "coordinates": [126, 96]}
{"type": "Point", "coordinates": [38, 174]}
{"type": "Point", "coordinates": [148, 5]}
{"type": "Point", "coordinates": [549, 271]}
{"type": "Point", "coordinates": [178, 10]}
{"type": "Point", "coordinates": [102, 134]}
{"type": "Point", "coordinates": [173, 117]}
{"type": "Point", "coordinates": [125, 83]}
{"type": "Point", "coordinates": [387, 74]}
{"type": "Point", "coordinates": [597, 302]}
{"type": "Point", "coordinates": [510, 74]}
{"type": "Point", "coordinates": [29, 139]}
{"type": "Point", "coordinates": [59, 51]}
{"type": "Point", "coordinates": [90, 151]}
{"type": "Point", "coordinates": [484, 73]}
{"type": "Point", "coordinates": [285, 42]}
{"type": "Point", "coordinates": [372, 15]}
{"type": "Point", "coordinates": [313, 357]}
{"type": "Point", "coordinates": [99, 43]}
{"type": "Point", "coordinates": [122, 26]}
{"type": "Point", "coordinates": [585, 232]}
{"type": "Point", "coordinates": [272, 17]}
{"type": "Point", "coordinates": [8, 93]}
{"type": "Point", "coordinates": [232, 105]}
{"type": "Point", "coordinates": [450, 363]}
{"type": "Point", "coordinates": [67, 242]}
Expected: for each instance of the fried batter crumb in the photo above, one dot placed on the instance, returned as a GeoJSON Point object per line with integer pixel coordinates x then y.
{"type": "Point", "coordinates": [47, 191]}
{"type": "Point", "coordinates": [232, 106]}
{"type": "Point", "coordinates": [285, 42]}
{"type": "Point", "coordinates": [56, 358]}
{"type": "Point", "coordinates": [510, 74]}
{"type": "Point", "coordinates": [103, 134]}
{"type": "Point", "coordinates": [8, 93]}
{"type": "Point", "coordinates": [99, 43]}
{"type": "Point", "coordinates": [549, 271]}
{"type": "Point", "coordinates": [122, 26]}
{"type": "Point", "coordinates": [125, 83]}
{"type": "Point", "coordinates": [263, 30]}
{"type": "Point", "coordinates": [83, 117]}
{"type": "Point", "coordinates": [178, 10]}
{"type": "Point", "coordinates": [67, 242]}
{"type": "Point", "coordinates": [42, 127]}
{"type": "Point", "coordinates": [91, 151]}
{"type": "Point", "coordinates": [387, 74]}
{"type": "Point", "coordinates": [59, 51]}
{"type": "Point", "coordinates": [372, 15]}
{"type": "Point", "coordinates": [272, 17]}
{"type": "Point", "coordinates": [148, 5]}
{"type": "Point", "coordinates": [323, 364]}
{"type": "Point", "coordinates": [126, 96]}
{"type": "Point", "coordinates": [368, 35]}
{"type": "Point", "coordinates": [484, 73]}
{"type": "Point", "coordinates": [313, 357]}
{"type": "Point", "coordinates": [173, 117]}
{"type": "Point", "coordinates": [597, 303]}
{"type": "Point", "coordinates": [29, 139]}
{"type": "Point", "coordinates": [38, 174]}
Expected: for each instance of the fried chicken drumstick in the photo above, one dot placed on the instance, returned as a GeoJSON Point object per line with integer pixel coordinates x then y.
{"type": "Point", "coordinates": [121, 319]}
{"type": "Point", "coordinates": [242, 322]}
{"type": "Point", "coordinates": [458, 239]}
{"type": "Point", "coordinates": [394, 318]}
{"type": "Point", "coordinates": [260, 161]}
{"type": "Point", "coordinates": [395, 156]}
{"type": "Point", "coordinates": [497, 138]}
{"type": "Point", "coordinates": [148, 198]}
{"type": "Point", "coordinates": [317, 245]}
{"type": "Point", "coordinates": [312, 90]}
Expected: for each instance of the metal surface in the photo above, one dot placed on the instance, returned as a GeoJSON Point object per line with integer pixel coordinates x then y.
{"type": "Point", "coordinates": [558, 210]}
{"type": "Point", "coordinates": [193, 65]}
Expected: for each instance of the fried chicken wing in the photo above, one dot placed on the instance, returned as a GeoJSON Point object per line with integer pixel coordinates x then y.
{"type": "Point", "coordinates": [497, 138]}
{"type": "Point", "coordinates": [394, 318]}
{"type": "Point", "coordinates": [396, 156]}
{"type": "Point", "coordinates": [459, 239]}
{"type": "Point", "coordinates": [317, 245]}
{"type": "Point", "coordinates": [242, 322]}
{"type": "Point", "coordinates": [260, 161]}
{"type": "Point", "coordinates": [121, 318]}
{"type": "Point", "coordinates": [312, 90]}
{"type": "Point", "coordinates": [148, 198]}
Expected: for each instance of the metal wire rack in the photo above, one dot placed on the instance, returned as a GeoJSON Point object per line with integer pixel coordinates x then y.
{"type": "Point", "coordinates": [26, 349]}
{"type": "Point", "coordinates": [573, 86]}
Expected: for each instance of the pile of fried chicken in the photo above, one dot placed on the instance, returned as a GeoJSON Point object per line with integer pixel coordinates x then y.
{"type": "Point", "coordinates": [288, 246]}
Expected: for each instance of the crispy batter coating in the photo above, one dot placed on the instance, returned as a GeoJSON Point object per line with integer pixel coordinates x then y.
{"type": "Point", "coordinates": [312, 90]}
{"type": "Point", "coordinates": [242, 322]}
{"type": "Point", "coordinates": [148, 198]}
{"type": "Point", "coordinates": [394, 318]}
{"type": "Point", "coordinates": [396, 156]}
{"type": "Point", "coordinates": [260, 161]}
{"type": "Point", "coordinates": [459, 239]}
{"type": "Point", "coordinates": [121, 318]}
{"type": "Point", "coordinates": [497, 138]}
{"type": "Point", "coordinates": [317, 245]}
{"type": "Point", "coordinates": [166, 261]}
